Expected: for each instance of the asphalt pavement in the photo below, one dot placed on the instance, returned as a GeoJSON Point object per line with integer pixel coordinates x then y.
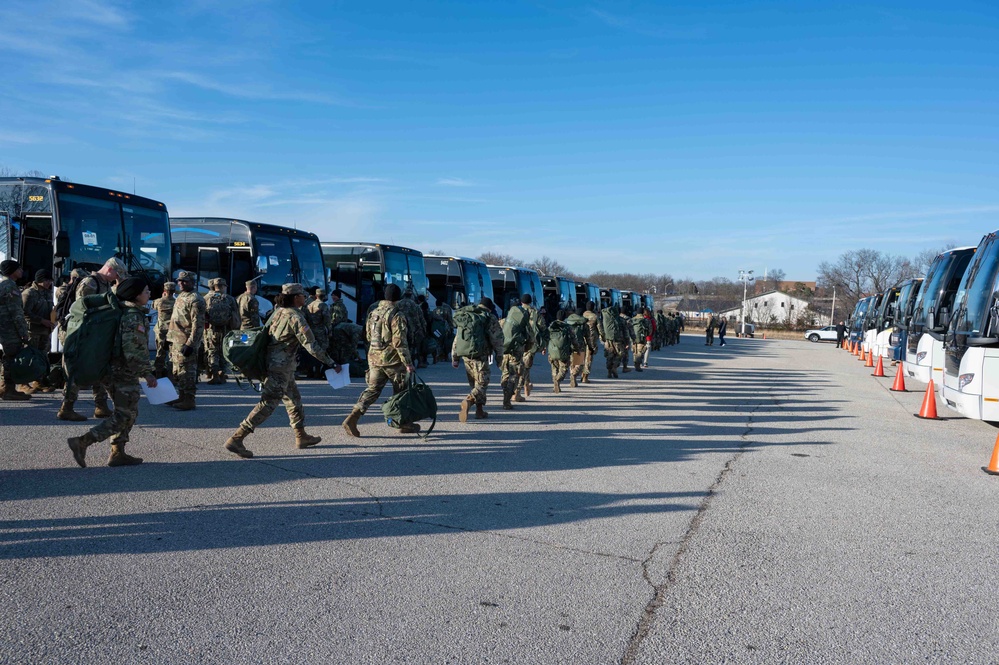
{"type": "Point", "coordinates": [767, 501]}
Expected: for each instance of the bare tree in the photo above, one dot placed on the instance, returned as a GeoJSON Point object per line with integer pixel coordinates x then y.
{"type": "Point", "coordinates": [498, 259]}
{"type": "Point", "coordinates": [922, 262]}
{"type": "Point", "coordinates": [549, 266]}
{"type": "Point", "coordinates": [774, 278]}
{"type": "Point", "coordinates": [863, 272]}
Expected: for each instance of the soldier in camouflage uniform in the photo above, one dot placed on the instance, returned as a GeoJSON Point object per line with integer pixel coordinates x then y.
{"type": "Point", "coordinates": [319, 320]}
{"type": "Point", "coordinates": [641, 327]}
{"type": "Point", "coordinates": [288, 332]}
{"type": "Point", "coordinates": [445, 315]}
{"type": "Point", "coordinates": [338, 311]}
{"type": "Point", "coordinates": [537, 326]}
{"type": "Point", "coordinates": [629, 343]}
{"type": "Point", "coordinates": [187, 329]}
{"type": "Point", "coordinates": [477, 370]}
{"type": "Point", "coordinates": [513, 360]}
{"type": "Point", "coordinates": [97, 283]}
{"type": "Point", "coordinates": [13, 328]}
{"type": "Point", "coordinates": [37, 301]}
{"type": "Point", "coordinates": [249, 307]}
{"type": "Point", "coordinates": [580, 328]}
{"type": "Point", "coordinates": [416, 324]}
{"type": "Point", "coordinates": [389, 357]}
{"type": "Point", "coordinates": [126, 369]}
{"type": "Point", "coordinates": [221, 315]}
{"type": "Point", "coordinates": [344, 340]}
{"type": "Point", "coordinates": [616, 344]}
{"type": "Point", "coordinates": [592, 338]}
{"type": "Point", "coordinates": [164, 310]}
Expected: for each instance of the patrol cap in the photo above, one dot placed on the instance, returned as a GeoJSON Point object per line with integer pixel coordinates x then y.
{"type": "Point", "coordinates": [250, 282]}
{"type": "Point", "coordinates": [118, 266]}
{"type": "Point", "coordinates": [169, 287]}
{"type": "Point", "coordinates": [212, 282]}
{"type": "Point", "coordinates": [185, 276]}
{"type": "Point", "coordinates": [293, 290]}
{"type": "Point", "coordinates": [78, 273]}
{"type": "Point", "coordinates": [220, 281]}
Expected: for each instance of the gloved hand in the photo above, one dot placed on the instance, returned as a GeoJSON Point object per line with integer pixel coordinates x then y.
{"type": "Point", "coordinates": [186, 350]}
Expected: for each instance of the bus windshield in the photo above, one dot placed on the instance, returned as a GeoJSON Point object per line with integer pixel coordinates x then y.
{"type": "Point", "coordinates": [310, 262]}
{"type": "Point", "coordinates": [405, 269]}
{"type": "Point", "coordinates": [528, 282]}
{"type": "Point", "coordinates": [906, 301]}
{"type": "Point", "coordinates": [147, 230]}
{"type": "Point", "coordinates": [976, 295]}
{"type": "Point", "coordinates": [931, 289]}
{"type": "Point", "coordinates": [273, 256]}
{"type": "Point", "coordinates": [477, 282]}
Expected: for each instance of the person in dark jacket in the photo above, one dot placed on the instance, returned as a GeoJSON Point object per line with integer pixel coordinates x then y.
{"type": "Point", "coordinates": [722, 329]}
{"type": "Point", "coordinates": [840, 333]}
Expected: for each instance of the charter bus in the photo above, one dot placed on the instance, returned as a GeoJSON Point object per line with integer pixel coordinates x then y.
{"type": "Point", "coordinates": [884, 322]}
{"type": "Point", "coordinates": [361, 270]}
{"type": "Point", "coordinates": [55, 225]}
{"type": "Point", "coordinates": [510, 283]}
{"type": "Point", "coordinates": [560, 293]}
{"type": "Point", "coordinates": [456, 280]}
{"type": "Point", "coordinates": [238, 251]}
{"type": "Point", "coordinates": [924, 355]}
{"type": "Point", "coordinates": [632, 302]}
{"type": "Point", "coordinates": [971, 349]}
{"type": "Point", "coordinates": [649, 301]}
{"type": "Point", "coordinates": [610, 297]}
{"type": "Point", "coordinates": [587, 292]}
{"type": "Point", "coordinates": [858, 318]}
{"type": "Point", "coordinates": [903, 316]}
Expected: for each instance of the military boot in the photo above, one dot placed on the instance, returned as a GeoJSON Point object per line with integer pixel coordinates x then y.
{"type": "Point", "coordinates": [78, 445]}
{"type": "Point", "coordinates": [557, 389]}
{"type": "Point", "coordinates": [120, 458]}
{"type": "Point", "coordinates": [186, 403]}
{"type": "Point", "coordinates": [234, 444]}
{"type": "Point", "coordinates": [10, 394]}
{"type": "Point", "coordinates": [586, 378]}
{"type": "Point", "coordinates": [506, 402]}
{"type": "Point", "coordinates": [303, 439]}
{"type": "Point", "coordinates": [27, 388]}
{"type": "Point", "coordinates": [518, 397]}
{"type": "Point", "coordinates": [350, 423]}
{"type": "Point", "coordinates": [66, 412]}
{"type": "Point", "coordinates": [463, 409]}
{"type": "Point", "coordinates": [216, 379]}
{"type": "Point", "coordinates": [411, 428]}
{"type": "Point", "coordinates": [638, 368]}
{"type": "Point", "coordinates": [480, 412]}
{"type": "Point", "coordinates": [624, 369]}
{"type": "Point", "coordinates": [527, 388]}
{"type": "Point", "coordinates": [101, 409]}
{"type": "Point", "coordinates": [572, 381]}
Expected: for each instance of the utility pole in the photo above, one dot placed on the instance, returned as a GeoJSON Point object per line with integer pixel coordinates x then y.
{"type": "Point", "coordinates": [832, 316]}
{"type": "Point", "coordinates": [746, 277]}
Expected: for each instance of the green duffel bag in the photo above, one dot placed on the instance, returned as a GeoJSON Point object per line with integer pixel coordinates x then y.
{"type": "Point", "coordinates": [413, 403]}
{"type": "Point", "coordinates": [30, 364]}
{"type": "Point", "coordinates": [246, 351]}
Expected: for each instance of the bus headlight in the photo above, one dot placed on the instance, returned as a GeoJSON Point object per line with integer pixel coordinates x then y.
{"type": "Point", "coordinates": [964, 380]}
{"type": "Point", "coordinates": [920, 356]}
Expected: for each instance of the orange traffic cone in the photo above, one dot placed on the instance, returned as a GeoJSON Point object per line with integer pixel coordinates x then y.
{"type": "Point", "coordinates": [869, 361]}
{"type": "Point", "coordinates": [993, 468]}
{"type": "Point", "coordinates": [928, 410]}
{"type": "Point", "coordinates": [880, 369]}
{"type": "Point", "coordinates": [899, 385]}
{"type": "Point", "coordinates": [845, 347]}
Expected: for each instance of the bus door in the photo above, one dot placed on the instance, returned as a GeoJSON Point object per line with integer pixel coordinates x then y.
{"type": "Point", "coordinates": [36, 244]}
{"type": "Point", "coordinates": [345, 279]}
{"type": "Point", "coordinates": [208, 266]}
{"type": "Point", "coordinates": [240, 270]}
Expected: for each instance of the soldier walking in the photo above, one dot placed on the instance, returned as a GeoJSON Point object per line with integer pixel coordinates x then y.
{"type": "Point", "coordinates": [37, 302]}
{"type": "Point", "coordinates": [187, 329]}
{"type": "Point", "coordinates": [126, 369]}
{"type": "Point", "coordinates": [338, 311]}
{"type": "Point", "coordinates": [560, 347]}
{"type": "Point", "coordinates": [164, 310]}
{"type": "Point", "coordinates": [580, 345]}
{"type": "Point", "coordinates": [416, 324]}
{"type": "Point", "coordinates": [288, 332]}
{"type": "Point", "coordinates": [13, 328]}
{"type": "Point", "coordinates": [389, 357]}
{"type": "Point", "coordinates": [221, 315]}
{"type": "Point", "coordinates": [249, 307]}
{"type": "Point", "coordinates": [641, 330]}
{"type": "Point", "coordinates": [537, 327]}
{"type": "Point", "coordinates": [612, 332]}
{"type": "Point", "coordinates": [477, 369]}
{"type": "Point", "coordinates": [320, 320]}
{"type": "Point", "coordinates": [592, 338]}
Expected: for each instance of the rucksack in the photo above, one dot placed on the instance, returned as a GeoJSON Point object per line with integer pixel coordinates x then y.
{"type": "Point", "coordinates": [93, 338]}
{"type": "Point", "coordinates": [413, 403]}
{"type": "Point", "coordinates": [642, 329]}
{"type": "Point", "coordinates": [471, 332]}
{"type": "Point", "coordinates": [30, 364]}
{"type": "Point", "coordinates": [379, 335]}
{"type": "Point", "coordinates": [560, 336]}
{"type": "Point", "coordinates": [517, 330]}
{"type": "Point", "coordinates": [65, 303]}
{"type": "Point", "coordinates": [578, 329]}
{"type": "Point", "coordinates": [246, 351]}
{"type": "Point", "coordinates": [613, 330]}
{"type": "Point", "coordinates": [217, 313]}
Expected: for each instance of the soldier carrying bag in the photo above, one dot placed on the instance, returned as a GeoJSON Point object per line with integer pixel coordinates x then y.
{"type": "Point", "coordinates": [93, 338]}
{"type": "Point", "coordinates": [246, 351]}
{"type": "Point", "coordinates": [413, 403]}
{"type": "Point", "coordinates": [472, 332]}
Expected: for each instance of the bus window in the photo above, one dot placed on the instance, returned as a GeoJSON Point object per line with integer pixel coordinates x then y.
{"type": "Point", "coordinates": [240, 271]}
{"type": "Point", "coordinates": [276, 250]}
{"type": "Point", "coordinates": [5, 237]}
{"type": "Point", "coordinates": [150, 245]}
{"type": "Point", "coordinates": [208, 265]}
{"type": "Point", "coordinates": [94, 228]}
{"type": "Point", "coordinates": [310, 262]}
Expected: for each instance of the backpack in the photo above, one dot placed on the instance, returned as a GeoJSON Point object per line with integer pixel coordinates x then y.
{"type": "Point", "coordinates": [246, 351]}
{"type": "Point", "coordinates": [30, 364]}
{"type": "Point", "coordinates": [65, 303]}
{"type": "Point", "coordinates": [218, 314]}
{"type": "Point", "coordinates": [379, 335]}
{"type": "Point", "coordinates": [613, 329]}
{"type": "Point", "coordinates": [642, 329]}
{"type": "Point", "coordinates": [93, 338]}
{"type": "Point", "coordinates": [413, 403]}
{"type": "Point", "coordinates": [471, 332]}
{"type": "Point", "coordinates": [516, 330]}
{"type": "Point", "coordinates": [560, 336]}
{"type": "Point", "coordinates": [578, 336]}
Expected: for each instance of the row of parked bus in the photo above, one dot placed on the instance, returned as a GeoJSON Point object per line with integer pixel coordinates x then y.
{"type": "Point", "coordinates": [944, 327]}
{"type": "Point", "coordinates": [52, 224]}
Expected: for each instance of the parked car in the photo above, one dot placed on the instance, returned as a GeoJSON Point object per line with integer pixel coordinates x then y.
{"type": "Point", "coordinates": [745, 330]}
{"type": "Point", "coordinates": [827, 334]}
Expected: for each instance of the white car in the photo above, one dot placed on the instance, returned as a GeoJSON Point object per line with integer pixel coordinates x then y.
{"type": "Point", "coordinates": [827, 334]}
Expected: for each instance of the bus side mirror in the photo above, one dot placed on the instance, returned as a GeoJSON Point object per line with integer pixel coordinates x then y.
{"type": "Point", "coordinates": [930, 320]}
{"type": "Point", "coordinates": [261, 264]}
{"type": "Point", "coordinates": [329, 275]}
{"type": "Point", "coordinates": [62, 244]}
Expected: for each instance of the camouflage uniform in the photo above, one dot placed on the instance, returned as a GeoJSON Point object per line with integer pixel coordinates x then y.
{"type": "Point", "coordinates": [13, 328]}
{"type": "Point", "coordinates": [592, 342]}
{"type": "Point", "coordinates": [416, 324]}
{"type": "Point", "coordinates": [94, 284]}
{"type": "Point", "coordinates": [629, 342]}
{"type": "Point", "coordinates": [614, 347]}
{"type": "Point", "coordinates": [338, 313]}
{"type": "Point", "coordinates": [187, 328]}
{"type": "Point", "coordinates": [38, 304]}
{"type": "Point", "coordinates": [288, 331]}
{"type": "Point", "coordinates": [344, 340]}
{"type": "Point", "coordinates": [538, 324]}
{"type": "Point", "coordinates": [222, 306]}
{"type": "Point", "coordinates": [445, 315]}
{"type": "Point", "coordinates": [164, 310]}
{"type": "Point", "coordinates": [388, 353]}
{"type": "Point", "coordinates": [559, 367]}
{"type": "Point", "coordinates": [320, 322]}
{"type": "Point", "coordinates": [641, 328]}
{"type": "Point", "coordinates": [477, 369]}
{"type": "Point", "coordinates": [580, 328]}
{"type": "Point", "coordinates": [249, 310]}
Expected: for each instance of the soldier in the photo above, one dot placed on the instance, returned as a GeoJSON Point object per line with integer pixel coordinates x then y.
{"type": "Point", "coordinates": [389, 357]}
{"type": "Point", "coordinates": [37, 302]}
{"type": "Point", "coordinates": [641, 327]}
{"type": "Point", "coordinates": [518, 344]}
{"type": "Point", "coordinates": [97, 283]}
{"type": "Point", "coordinates": [126, 368]}
{"type": "Point", "coordinates": [288, 331]}
{"type": "Point", "coordinates": [709, 331]}
{"type": "Point", "coordinates": [537, 326]}
{"type": "Point", "coordinates": [187, 328]}
{"type": "Point", "coordinates": [320, 320]}
{"type": "Point", "coordinates": [580, 330]}
{"type": "Point", "coordinates": [164, 310]}
{"type": "Point", "coordinates": [338, 311]}
{"type": "Point", "coordinates": [477, 368]}
{"type": "Point", "coordinates": [559, 361]}
{"type": "Point", "coordinates": [13, 328]}
{"type": "Point", "coordinates": [629, 342]}
{"type": "Point", "coordinates": [442, 328]}
{"type": "Point", "coordinates": [416, 326]}
{"type": "Point", "coordinates": [221, 316]}
{"type": "Point", "coordinates": [249, 307]}
{"type": "Point", "coordinates": [592, 338]}
{"type": "Point", "coordinates": [344, 340]}
{"type": "Point", "coordinates": [612, 333]}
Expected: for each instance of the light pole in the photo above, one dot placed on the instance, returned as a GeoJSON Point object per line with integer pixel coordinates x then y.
{"type": "Point", "coordinates": [832, 316]}
{"type": "Point", "coordinates": [746, 277]}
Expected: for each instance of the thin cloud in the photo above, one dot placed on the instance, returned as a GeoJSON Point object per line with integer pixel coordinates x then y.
{"type": "Point", "coordinates": [455, 182]}
{"type": "Point", "coordinates": [253, 91]}
{"type": "Point", "coordinates": [640, 26]}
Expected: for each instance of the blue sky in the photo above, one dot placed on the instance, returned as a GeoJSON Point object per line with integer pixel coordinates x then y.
{"type": "Point", "coordinates": [694, 138]}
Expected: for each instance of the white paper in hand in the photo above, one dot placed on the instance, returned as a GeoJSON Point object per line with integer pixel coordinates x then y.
{"type": "Point", "coordinates": [338, 380]}
{"type": "Point", "coordinates": [163, 392]}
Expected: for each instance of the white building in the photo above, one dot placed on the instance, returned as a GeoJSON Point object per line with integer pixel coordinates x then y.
{"type": "Point", "coordinates": [770, 308]}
